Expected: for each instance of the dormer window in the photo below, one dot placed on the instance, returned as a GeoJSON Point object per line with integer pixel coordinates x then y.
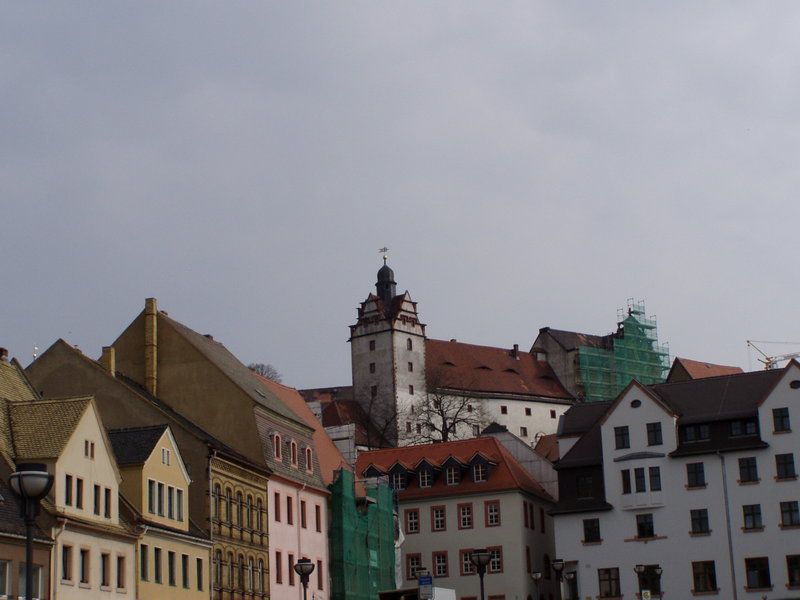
{"type": "Point", "coordinates": [425, 478]}
{"type": "Point", "coordinates": [479, 472]}
{"type": "Point", "coordinates": [452, 475]}
{"type": "Point", "coordinates": [398, 481]}
{"type": "Point", "coordinates": [743, 427]}
{"type": "Point", "coordinates": [293, 451]}
{"type": "Point", "coordinates": [309, 460]}
{"type": "Point", "coordinates": [276, 447]}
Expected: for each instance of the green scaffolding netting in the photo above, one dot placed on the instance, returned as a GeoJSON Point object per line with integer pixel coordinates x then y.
{"type": "Point", "coordinates": [361, 539]}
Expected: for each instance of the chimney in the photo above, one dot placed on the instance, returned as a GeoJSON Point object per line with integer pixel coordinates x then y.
{"type": "Point", "coordinates": [150, 346]}
{"type": "Point", "coordinates": [515, 351]}
{"type": "Point", "coordinates": [109, 360]}
{"type": "Point", "coordinates": [3, 355]}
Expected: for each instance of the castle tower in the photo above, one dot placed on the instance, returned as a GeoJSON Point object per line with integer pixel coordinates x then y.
{"type": "Point", "coordinates": [387, 348]}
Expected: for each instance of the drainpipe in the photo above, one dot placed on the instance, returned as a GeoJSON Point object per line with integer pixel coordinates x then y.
{"type": "Point", "coordinates": [62, 525]}
{"type": "Point", "coordinates": [728, 523]}
{"type": "Point", "coordinates": [212, 566]}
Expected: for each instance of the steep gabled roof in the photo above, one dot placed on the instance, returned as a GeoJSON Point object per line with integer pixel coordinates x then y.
{"type": "Point", "coordinates": [486, 369]}
{"type": "Point", "coordinates": [698, 370]}
{"type": "Point", "coordinates": [572, 340]}
{"type": "Point", "coordinates": [506, 474]}
{"type": "Point", "coordinates": [134, 445]}
{"type": "Point", "coordinates": [14, 385]}
{"type": "Point", "coordinates": [580, 417]}
{"type": "Point", "coordinates": [42, 428]}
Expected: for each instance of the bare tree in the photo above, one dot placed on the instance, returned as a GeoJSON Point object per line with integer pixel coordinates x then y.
{"type": "Point", "coordinates": [379, 424]}
{"type": "Point", "coordinates": [267, 371]}
{"type": "Point", "coordinates": [446, 412]}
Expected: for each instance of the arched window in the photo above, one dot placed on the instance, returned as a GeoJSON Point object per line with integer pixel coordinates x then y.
{"type": "Point", "coordinates": [228, 505]}
{"type": "Point", "coordinates": [309, 460]}
{"type": "Point", "coordinates": [250, 575]}
{"type": "Point", "coordinates": [293, 448]}
{"type": "Point", "coordinates": [249, 511]}
{"type": "Point", "coordinates": [241, 573]}
{"type": "Point", "coordinates": [260, 515]}
{"type": "Point", "coordinates": [409, 344]}
{"type": "Point", "coordinates": [218, 568]}
{"type": "Point", "coordinates": [239, 520]}
{"type": "Point", "coordinates": [261, 586]}
{"type": "Point", "coordinates": [230, 571]}
{"type": "Point", "coordinates": [217, 499]}
{"type": "Point", "coordinates": [276, 446]}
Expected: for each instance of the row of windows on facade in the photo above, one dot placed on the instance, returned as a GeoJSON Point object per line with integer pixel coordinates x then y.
{"type": "Point", "coordinates": [409, 345]}
{"type": "Point", "coordinates": [249, 514]}
{"type": "Point", "coordinates": [441, 567]}
{"type": "Point", "coordinates": [452, 476]}
{"type": "Point", "coordinates": [702, 432]}
{"type": "Point", "coordinates": [169, 506]}
{"type": "Point", "coordinates": [699, 522]}
{"type": "Point", "coordinates": [410, 367]}
{"type": "Point", "coordinates": [239, 575]}
{"type": "Point", "coordinates": [278, 569]}
{"type": "Point", "coordinates": [73, 496]}
{"type": "Point", "coordinates": [276, 512]}
{"type": "Point", "coordinates": [6, 576]}
{"type": "Point", "coordinates": [465, 517]}
{"type": "Point", "coordinates": [704, 577]}
{"type": "Point", "coordinates": [158, 568]}
{"type": "Point", "coordinates": [277, 452]}
{"type": "Point", "coordinates": [83, 573]}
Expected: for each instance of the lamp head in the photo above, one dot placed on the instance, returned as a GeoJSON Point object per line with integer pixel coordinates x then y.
{"type": "Point", "coordinates": [304, 567]}
{"type": "Point", "coordinates": [659, 571]}
{"type": "Point", "coordinates": [480, 557]}
{"type": "Point", "coordinates": [639, 569]}
{"type": "Point", "coordinates": [31, 481]}
{"type": "Point", "coordinates": [558, 565]}
{"type": "Point", "coordinates": [536, 576]}
{"type": "Point", "coordinates": [569, 576]}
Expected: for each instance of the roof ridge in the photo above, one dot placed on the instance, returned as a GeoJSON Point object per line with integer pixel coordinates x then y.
{"type": "Point", "coordinates": [729, 375]}
{"type": "Point", "coordinates": [454, 341]}
{"type": "Point", "coordinates": [54, 400]}
{"type": "Point", "coordinates": [137, 428]}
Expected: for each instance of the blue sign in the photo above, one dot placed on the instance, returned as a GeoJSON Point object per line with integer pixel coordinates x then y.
{"type": "Point", "coordinates": [425, 583]}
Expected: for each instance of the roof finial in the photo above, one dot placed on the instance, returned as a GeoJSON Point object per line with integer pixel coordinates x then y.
{"type": "Point", "coordinates": [383, 251]}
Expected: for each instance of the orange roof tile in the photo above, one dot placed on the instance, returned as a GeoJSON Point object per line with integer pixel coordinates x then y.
{"type": "Point", "coordinates": [698, 370]}
{"type": "Point", "coordinates": [507, 474]}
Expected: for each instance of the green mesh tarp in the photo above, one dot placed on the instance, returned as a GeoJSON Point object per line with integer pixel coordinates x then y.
{"type": "Point", "coordinates": [361, 540]}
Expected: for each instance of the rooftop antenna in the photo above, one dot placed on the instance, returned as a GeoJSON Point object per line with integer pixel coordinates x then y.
{"type": "Point", "coordinates": [35, 352]}
{"type": "Point", "coordinates": [383, 251]}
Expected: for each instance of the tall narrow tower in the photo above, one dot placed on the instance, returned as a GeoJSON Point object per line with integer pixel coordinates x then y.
{"type": "Point", "coordinates": [387, 348]}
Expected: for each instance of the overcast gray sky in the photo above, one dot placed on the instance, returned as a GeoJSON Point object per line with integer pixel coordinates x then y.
{"type": "Point", "coordinates": [528, 164]}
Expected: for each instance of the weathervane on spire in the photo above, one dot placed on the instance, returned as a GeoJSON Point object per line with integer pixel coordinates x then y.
{"type": "Point", "coordinates": [383, 251]}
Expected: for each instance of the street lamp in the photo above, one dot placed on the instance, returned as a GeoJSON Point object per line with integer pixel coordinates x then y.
{"type": "Point", "coordinates": [304, 567]}
{"type": "Point", "coordinates": [570, 577]}
{"type": "Point", "coordinates": [658, 570]}
{"type": "Point", "coordinates": [536, 576]}
{"type": "Point", "coordinates": [30, 482]}
{"type": "Point", "coordinates": [639, 570]}
{"type": "Point", "coordinates": [480, 558]}
{"type": "Point", "coordinates": [558, 567]}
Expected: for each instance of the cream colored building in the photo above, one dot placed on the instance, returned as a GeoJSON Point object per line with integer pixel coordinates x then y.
{"type": "Point", "coordinates": [173, 554]}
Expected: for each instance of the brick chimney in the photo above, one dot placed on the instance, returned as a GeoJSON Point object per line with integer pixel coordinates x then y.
{"type": "Point", "coordinates": [109, 360]}
{"type": "Point", "coordinates": [150, 346]}
{"type": "Point", "coordinates": [3, 355]}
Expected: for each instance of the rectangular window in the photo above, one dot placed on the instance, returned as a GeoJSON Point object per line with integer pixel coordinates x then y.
{"type": "Point", "coordinates": [638, 474]}
{"type": "Point", "coordinates": [413, 564]}
{"type": "Point", "coordinates": [83, 565]}
{"type": "Point", "coordinates": [410, 367]}
{"type": "Point", "coordinates": [412, 520]}
{"type": "Point", "coordinates": [319, 575]}
{"type": "Point", "coordinates": [452, 475]}
{"type": "Point", "coordinates": [170, 502]}
{"type": "Point", "coordinates": [523, 432]}
{"type": "Point", "coordinates": [609, 583]}
{"type": "Point", "coordinates": [790, 514]}
{"type": "Point", "coordinates": [398, 481]}
{"type": "Point", "coordinates": [440, 564]}
{"type": "Point", "coordinates": [120, 572]}
{"type": "Point", "coordinates": [278, 567]}
{"type": "Point", "coordinates": [752, 516]}
{"type": "Point", "coordinates": [495, 560]}
{"type": "Point", "coordinates": [68, 490]}
{"type": "Point", "coordinates": [532, 514]}
{"type": "Point", "coordinates": [107, 503]}
{"type": "Point", "coordinates": [179, 504]}
{"type": "Point", "coordinates": [144, 572]}
{"type": "Point", "coordinates": [793, 570]}
{"type": "Point", "coordinates": [644, 526]}
{"type": "Point", "coordinates": [5, 577]}
{"type": "Point", "coordinates": [695, 475]}
{"type": "Point", "coordinates": [748, 469]}
{"type": "Point", "coordinates": [438, 518]}
{"type": "Point", "coordinates": [479, 472]}
{"type": "Point", "coordinates": [36, 586]}
{"type": "Point", "coordinates": [105, 570]}
{"type": "Point", "coordinates": [541, 519]}
{"type": "Point", "coordinates": [371, 367]}
{"type": "Point", "coordinates": [655, 479]}
{"type": "Point", "coordinates": [373, 391]}
{"type": "Point", "coordinates": [780, 419]}
{"type": "Point", "coordinates": [371, 345]}
{"type": "Point", "coordinates": [591, 531]}
{"type": "Point", "coordinates": [525, 513]}
{"type": "Point", "coordinates": [527, 559]}
{"type": "Point", "coordinates": [584, 487]}
{"type": "Point", "coordinates": [696, 433]}
{"type": "Point", "coordinates": [503, 410]}
{"type": "Point", "coordinates": [784, 464]}
{"type": "Point", "coordinates": [626, 481]}
{"type": "Point", "coordinates": [66, 565]}
{"type": "Point", "coordinates": [757, 570]}
{"type": "Point", "coordinates": [160, 499]}
{"type": "Point", "coordinates": [157, 565]}
{"type": "Point", "coordinates": [704, 575]}
{"type": "Point", "coordinates": [151, 496]}
{"type": "Point", "coordinates": [303, 514]}
{"type": "Point", "coordinates": [411, 390]}
{"type": "Point", "coordinates": [699, 520]}
{"type": "Point", "coordinates": [276, 507]}
{"type": "Point", "coordinates": [171, 567]}
{"type": "Point", "coordinates": [622, 438]}
{"type": "Point", "coordinates": [654, 434]}
{"type": "Point", "coordinates": [465, 516]}
{"type": "Point", "coordinates": [78, 493]}
{"type": "Point", "coordinates": [743, 427]}
{"type": "Point", "coordinates": [425, 477]}
{"type": "Point", "coordinates": [492, 516]}
{"type": "Point", "coordinates": [185, 570]}
{"type": "Point", "coordinates": [199, 573]}
{"type": "Point", "coordinates": [317, 517]}
{"type": "Point", "coordinates": [96, 499]}
{"type": "Point", "coordinates": [527, 412]}
{"type": "Point", "coordinates": [289, 511]}
{"type": "Point", "coordinates": [290, 570]}
{"type": "Point", "coordinates": [465, 560]}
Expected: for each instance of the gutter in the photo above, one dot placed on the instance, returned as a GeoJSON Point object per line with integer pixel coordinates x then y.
{"type": "Point", "coordinates": [728, 523]}
{"type": "Point", "coordinates": [212, 565]}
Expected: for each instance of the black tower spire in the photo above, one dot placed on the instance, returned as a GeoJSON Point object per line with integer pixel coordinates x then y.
{"type": "Point", "coordinates": [386, 285]}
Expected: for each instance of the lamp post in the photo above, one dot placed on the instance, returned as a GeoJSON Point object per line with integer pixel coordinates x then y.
{"type": "Point", "coordinates": [304, 567]}
{"type": "Point", "coordinates": [480, 558]}
{"type": "Point", "coordinates": [639, 570]}
{"type": "Point", "coordinates": [570, 577]}
{"type": "Point", "coordinates": [536, 576]}
{"type": "Point", "coordinates": [659, 571]}
{"type": "Point", "coordinates": [30, 482]}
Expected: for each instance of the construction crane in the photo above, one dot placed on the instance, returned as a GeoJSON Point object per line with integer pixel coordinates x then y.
{"type": "Point", "coordinates": [771, 362]}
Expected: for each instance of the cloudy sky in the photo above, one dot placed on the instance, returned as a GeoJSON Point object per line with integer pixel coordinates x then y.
{"type": "Point", "coordinates": [528, 164]}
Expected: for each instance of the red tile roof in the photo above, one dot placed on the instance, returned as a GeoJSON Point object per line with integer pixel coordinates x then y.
{"type": "Point", "coordinates": [547, 446]}
{"type": "Point", "coordinates": [487, 369]}
{"type": "Point", "coordinates": [698, 370]}
{"type": "Point", "coordinates": [506, 474]}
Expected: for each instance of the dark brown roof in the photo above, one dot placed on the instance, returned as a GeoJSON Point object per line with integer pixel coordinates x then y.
{"type": "Point", "coordinates": [547, 447]}
{"type": "Point", "coordinates": [580, 417]}
{"type": "Point", "coordinates": [572, 340]}
{"type": "Point", "coordinates": [134, 445]}
{"type": "Point", "coordinates": [486, 369]}
{"type": "Point", "coordinates": [698, 370]}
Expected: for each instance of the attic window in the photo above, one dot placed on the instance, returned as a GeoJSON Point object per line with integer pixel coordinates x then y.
{"type": "Point", "coordinates": [511, 371]}
{"type": "Point", "coordinates": [795, 384]}
{"type": "Point", "coordinates": [276, 446]}
{"type": "Point", "coordinates": [484, 368]}
{"type": "Point", "coordinates": [636, 403]}
{"type": "Point", "coordinates": [447, 363]}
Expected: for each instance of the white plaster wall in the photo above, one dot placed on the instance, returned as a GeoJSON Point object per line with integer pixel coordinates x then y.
{"type": "Point", "coordinates": [543, 419]}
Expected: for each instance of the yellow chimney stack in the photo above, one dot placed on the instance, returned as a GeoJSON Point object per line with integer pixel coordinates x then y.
{"type": "Point", "coordinates": [109, 360]}
{"type": "Point", "coordinates": [150, 346]}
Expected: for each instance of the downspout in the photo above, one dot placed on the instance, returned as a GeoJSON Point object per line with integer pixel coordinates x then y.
{"type": "Point", "coordinates": [299, 523]}
{"type": "Point", "coordinates": [211, 564]}
{"type": "Point", "coordinates": [62, 525]}
{"type": "Point", "coordinates": [728, 523]}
